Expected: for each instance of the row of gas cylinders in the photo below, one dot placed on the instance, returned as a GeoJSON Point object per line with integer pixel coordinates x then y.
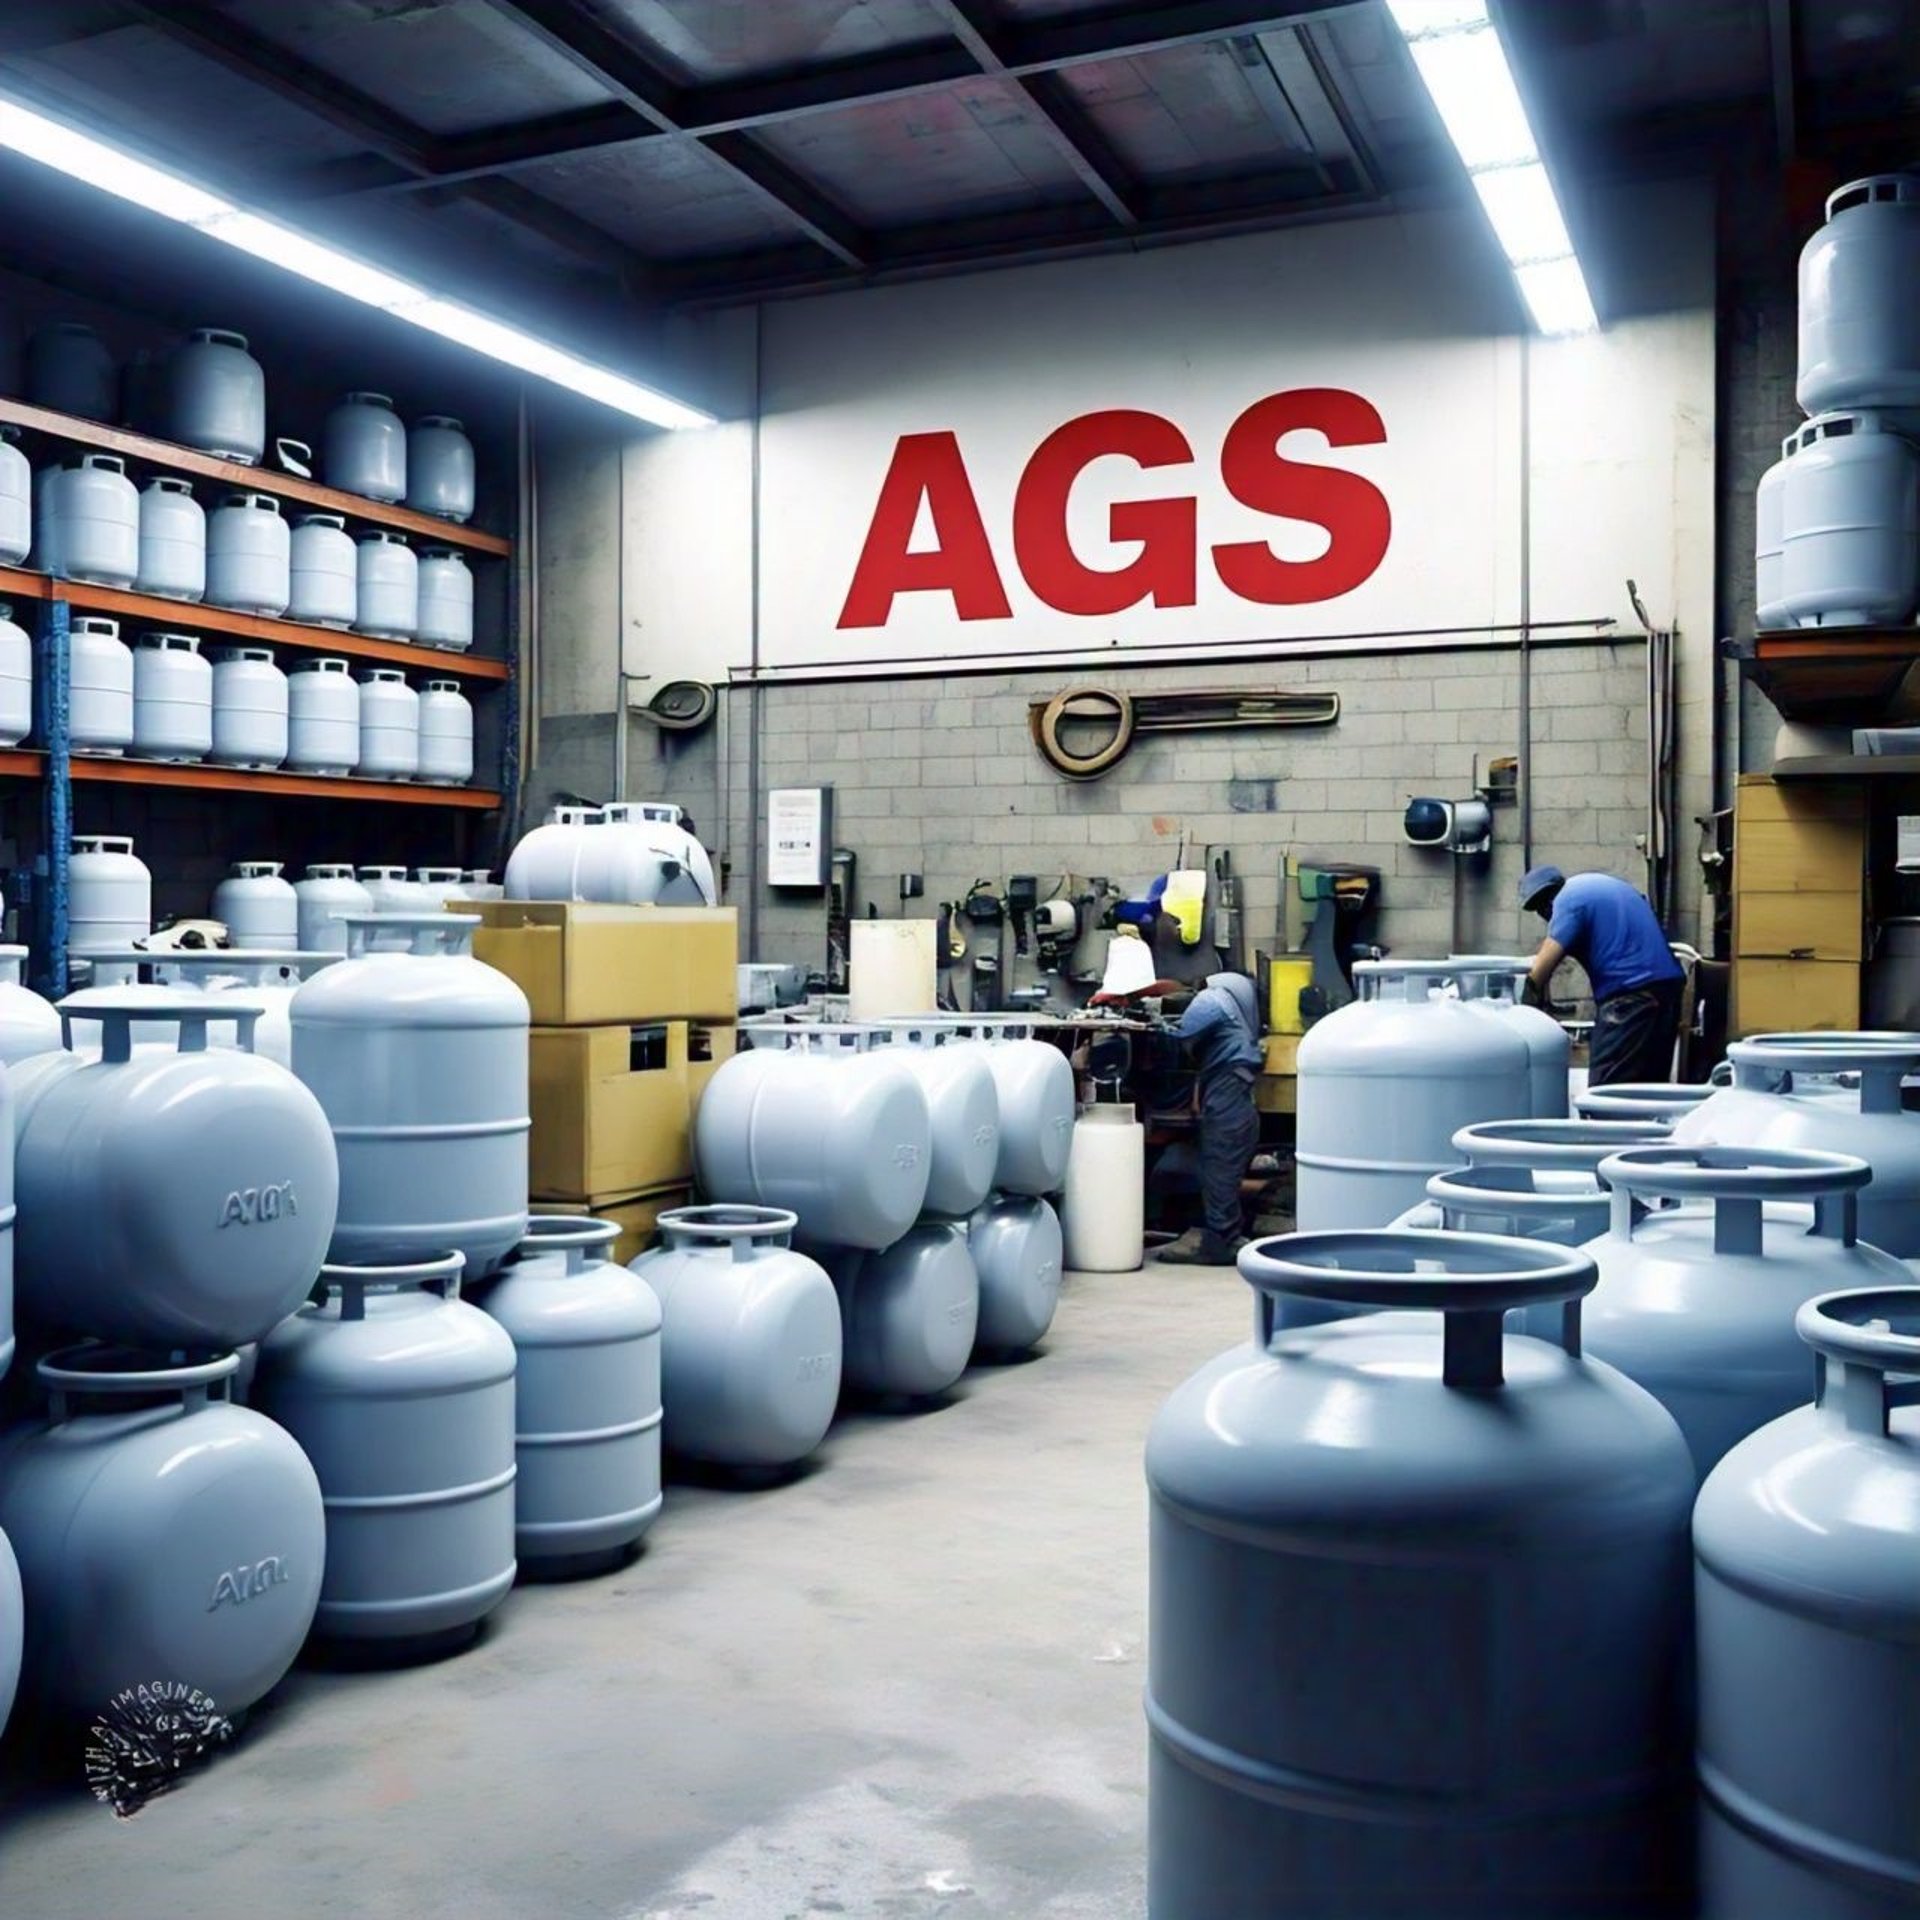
{"type": "Point", "coordinates": [211, 393]}
{"type": "Point", "coordinates": [1837, 517]}
{"type": "Point", "coordinates": [90, 523]}
{"type": "Point", "coordinates": [163, 699]}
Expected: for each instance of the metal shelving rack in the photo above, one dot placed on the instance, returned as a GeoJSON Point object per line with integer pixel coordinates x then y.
{"type": "Point", "coordinates": [51, 763]}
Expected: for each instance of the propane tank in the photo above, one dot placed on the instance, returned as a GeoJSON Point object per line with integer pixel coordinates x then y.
{"type": "Point", "coordinates": [260, 909]}
{"type": "Point", "coordinates": [445, 757]}
{"type": "Point", "coordinates": [1769, 540]}
{"type": "Point", "coordinates": [627, 854]}
{"type": "Point", "coordinates": [324, 581]}
{"type": "Point", "coordinates": [363, 448]}
{"type": "Point", "coordinates": [1659, 1101]}
{"type": "Point", "coordinates": [418, 1053]}
{"type": "Point", "coordinates": [100, 677]}
{"type": "Point", "coordinates": [1103, 1209]}
{"type": "Point", "coordinates": [1698, 1304]}
{"type": "Point", "coordinates": [28, 1024]}
{"type": "Point", "coordinates": [173, 541]}
{"type": "Point", "coordinates": [16, 679]}
{"type": "Point", "coordinates": [172, 698]}
{"type": "Point", "coordinates": [586, 1395]}
{"type": "Point", "coordinates": [321, 898]}
{"type": "Point", "coordinates": [445, 616]}
{"type": "Point", "coordinates": [440, 476]}
{"type": "Point", "coordinates": [750, 1344]}
{"type": "Point", "coordinates": [1016, 1246]}
{"type": "Point", "coordinates": [96, 512]}
{"type": "Point", "coordinates": [389, 726]}
{"type": "Point", "coordinates": [1805, 1539]}
{"type": "Point", "coordinates": [163, 1533]}
{"type": "Point", "coordinates": [1850, 520]}
{"type": "Point", "coordinates": [386, 586]}
{"type": "Point", "coordinates": [109, 894]}
{"type": "Point", "coordinates": [250, 708]}
{"type": "Point", "coordinates": [1037, 1105]}
{"type": "Point", "coordinates": [16, 500]}
{"type": "Point", "coordinates": [265, 979]}
{"type": "Point", "coordinates": [323, 716]}
{"type": "Point", "coordinates": [401, 1395]}
{"type": "Point", "coordinates": [963, 1109]}
{"type": "Point", "coordinates": [1337, 1513]}
{"type": "Point", "coordinates": [216, 396]}
{"type": "Point", "coordinates": [1859, 336]}
{"type": "Point", "coordinates": [1496, 982]}
{"type": "Point", "coordinates": [909, 1311]}
{"type": "Point", "coordinates": [249, 554]}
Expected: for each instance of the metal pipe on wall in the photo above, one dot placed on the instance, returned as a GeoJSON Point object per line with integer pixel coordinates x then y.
{"type": "Point", "coordinates": [1524, 691]}
{"type": "Point", "coordinates": [755, 855]}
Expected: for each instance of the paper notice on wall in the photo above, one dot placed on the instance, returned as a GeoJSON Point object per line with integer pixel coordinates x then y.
{"type": "Point", "coordinates": [797, 836]}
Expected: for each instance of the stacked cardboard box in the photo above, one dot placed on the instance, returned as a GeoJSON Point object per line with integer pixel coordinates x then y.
{"type": "Point", "coordinates": [633, 1014]}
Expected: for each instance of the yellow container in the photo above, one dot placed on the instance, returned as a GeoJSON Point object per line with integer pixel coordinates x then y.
{"type": "Point", "coordinates": [1286, 977]}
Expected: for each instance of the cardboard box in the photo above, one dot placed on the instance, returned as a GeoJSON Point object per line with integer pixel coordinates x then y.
{"type": "Point", "coordinates": [1760, 797]}
{"type": "Point", "coordinates": [585, 965]}
{"type": "Point", "coordinates": [1798, 926]}
{"type": "Point", "coordinates": [635, 1214]}
{"type": "Point", "coordinates": [613, 1106]}
{"type": "Point", "coordinates": [1799, 856]}
{"type": "Point", "coordinates": [1792, 996]}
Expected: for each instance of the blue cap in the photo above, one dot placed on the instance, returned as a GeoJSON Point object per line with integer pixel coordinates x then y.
{"type": "Point", "coordinates": [1536, 880]}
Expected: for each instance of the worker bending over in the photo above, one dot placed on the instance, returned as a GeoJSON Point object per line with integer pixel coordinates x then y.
{"type": "Point", "coordinates": [1608, 927]}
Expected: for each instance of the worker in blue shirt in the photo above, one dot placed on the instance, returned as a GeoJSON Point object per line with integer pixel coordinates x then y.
{"type": "Point", "coordinates": [1608, 927]}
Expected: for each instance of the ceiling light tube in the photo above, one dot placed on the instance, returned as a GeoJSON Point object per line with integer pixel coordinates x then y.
{"type": "Point", "coordinates": [83, 157]}
{"type": "Point", "coordinates": [1457, 51]}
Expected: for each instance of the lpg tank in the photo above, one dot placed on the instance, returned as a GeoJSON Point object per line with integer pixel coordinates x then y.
{"type": "Point", "coordinates": [418, 1053]}
{"type": "Point", "coordinates": [841, 1138]}
{"type": "Point", "coordinates": [12, 1629]}
{"type": "Point", "coordinates": [321, 898]}
{"type": "Point", "coordinates": [1103, 1204]}
{"type": "Point", "coordinates": [1659, 1101]}
{"type": "Point", "coordinates": [28, 1024]}
{"type": "Point", "coordinates": [1369, 1540]}
{"type": "Point", "coordinates": [1769, 539]}
{"type": "Point", "coordinates": [963, 1110]}
{"type": "Point", "coordinates": [163, 1533]}
{"type": "Point", "coordinates": [1771, 1104]}
{"type": "Point", "coordinates": [1850, 518]}
{"type": "Point", "coordinates": [1806, 1538]}
{"type": "Point", "coordinates": [1859, 284]}
{"type": "Point", "coordinates": [402, 1396]}
{"type": "Point", "coordinates": [1537, 1178]}
{"type": "Point", "coordinates": [909, 1311]}
{"type": "Point", "coordinates": [1016, 1246]}
{"type": "Point", "coordinates": [1037, 1106]}
{"type": "Point", "coordinates": [586, 1395]}
{"type": "Point", "coordinates": [265, 978]}
{"type": "Point", "coordinates": [631, 853]}
{"type": "Point", "coordinates": [260, 908]}
{"type": "Point", "coordinates": [1495, 981]}
{"type": "Point", "coordinates": [101, 682]}
{"type": "Point", "coordinates": [1386, 1082]}
{"type": "Point", "coordinates": [750, 1341]}
{"type": "Point", "coordinates": [109, 895]}
{"type": "Point", "coordinates": [1698, 1304]}
{"type": "Point", "coordinates": [171, 1198]}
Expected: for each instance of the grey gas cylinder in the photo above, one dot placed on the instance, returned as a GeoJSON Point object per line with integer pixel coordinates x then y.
{"type": "Point", "coordinates": [1037, 1106]}
{"type": "Point", "coordinates": [28, 1024]}
{"type": "Point", "coordinates": [1859, 285]}
{"type": "Point", "coordinates": [440, 475]}
{"type": "Point", "coordinates": [326, 893]}
{"type": "Point", "coordinates": [1369, 1540]}
{"type": "Point", "coordinates": [402, 1395]}
{"type": "Point", "coordinates": [1495, 982]}
{"type": "Point", "coordinates": [216, 395]}
{"type": "Point", "coordinates": [173, 1197]}
{"type": "Point", "coordinates": [1654, 1100]}
{"type": "Point", "coordinates": [844, 1142]}
{"type": "Point", "coordinates": [1016, 1245]}
{"type": "Point", "coordinates": [164, 1535]}
{"type": "Point", "coordinates": [12, 1629]}
{"type": "Point", "coordinates": [363, 448]}
{"type": "Point", "coordinates": [750, 1343]}
{"type": "Point", "coordinates": [1697, 1303]}
{"type": "Point", "coordinates": [963, 1111]}
{"type": "Point", "coordinates": [418, 1053]}
{"type": "Point", "coordinates": [909, 1311]}
{"type": "Point", "coordinates": [1806, 1541]}
{"type": "Point", "coordinates": [1550, 1167]}
{"type": "Point", "coordinates": [586, 1394]}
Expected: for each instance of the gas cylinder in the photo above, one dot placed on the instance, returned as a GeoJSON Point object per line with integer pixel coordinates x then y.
{"type": "Point", "coordinates": [109, 894]}
{"type": "Point", "coordinates": [1496, 982]}
{"type": "Point", "coordinates": [750, 1343]}
{"type": "Point", "coordinates": [100, 678]}
{"type": "Point", "coordinates": [363, 448]}
{"type": "Point", "coordinates": [324, 581]}
{"type": "Point", "coordinates": [1769, 540]}
{"type": "Point", "coordinates": [632, 855]}
{"type": "Point", "coordinates": [1369, 1539]}
{"type": "Point", "coordinates": [172, 698]}
{"type": "Point", "coordinates": [173, 541]}
{"type": "Point", "coordinates": [963, 1110]}
{"type": "Point", "coordinates": [909, 1311]}
{"type": "Point", "coordinates": [440, 476]}
{"type": "Point", "coordinates": [1647, 1100]}
{"type": "Point", "coordinates": [323, 716]}
{"type": "Point", "coordinates": [1805, 1539]}
{"type": "Point", "coordinates": [71, 369]}
{"type": "Point", "coordinates": [445, 755]}
{"type": "Point", "coordinates": [1850, 518]}
{"type": "Point", "coordinates": [1015, 1241]}
{"type": "Point", "coordinates": [263, 978]}
{"type": "Point", "coordinates": [249, 554]}
{"type": "Point", "coordinates": [261, 909]}
{"type": "Point", "coordinates": [586, 1395]}
{"type": "Point", "coordinates": [96, 511]}
{"type": "Point", "coordinates": [1698, 1304]}
{"type": "Point", "coordinates": [250, 708]}
{"type": "Point", "coordinates": [1037, 1106]}
{"type": "Point", "coordinates": [216, 396]}
{"type": "Point", "coordinates": [389, 726]}
{"type": "Point", "coordinates": [445, 615]}
{"type": "Point", "coordinates": [164, 1534]}
{"type": "Point", "coordinates": [1859, 335]}
{"type": "Point", "coordinates": [16, 679]}
{"type": "Point", "coordinates": [386, 585]}
{"type": "Point", "coordinates": [16, 500]}
{"type": "Point", "coordinates": [28, 1024]}
{"type": "Point", "coordinates": [418, 1053]}
{"type": "Point", "coordinates": [320, 899]}
{"type": "Point", "coordinates": [401, 1393]}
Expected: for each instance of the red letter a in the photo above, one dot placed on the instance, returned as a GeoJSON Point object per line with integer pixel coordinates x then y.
{"type": "Point", "coordinates": [926, 466]}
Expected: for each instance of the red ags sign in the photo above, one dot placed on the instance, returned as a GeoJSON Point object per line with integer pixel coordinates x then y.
{"type": "Point", "coordinates": [928, 487]}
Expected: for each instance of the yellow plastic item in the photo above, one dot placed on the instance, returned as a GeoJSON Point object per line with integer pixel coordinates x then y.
{"type": "Point", "coordinates": [1286, 977]}
{"type": "Point", "coordinates": [1185, 902]}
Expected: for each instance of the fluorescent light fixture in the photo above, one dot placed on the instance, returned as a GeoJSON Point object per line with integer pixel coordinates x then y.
{"type": "Point", "coordinates": [1457, 51]}
{"type": "Point", "coordinates": [54, 144]}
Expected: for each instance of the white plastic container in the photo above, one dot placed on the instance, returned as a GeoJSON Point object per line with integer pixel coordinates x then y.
{"type": "Point", "coordinates": [99, 520]}
{"type": "Point", "coordinates": [387, 586]}
{"type": "Point", "coordinates": [100, 686]}
{"type": "Point", "coordinates": [1103, 1210]}
{"type": "Point", "coordinates": [363, 448]}
{"type": "Point", "coordinates": [173, 541]}
{"type": "Point", "coordinates": [321, 897]}
{"type": "Point", "coordinates": [389, 726]}
{"type": "Point", "coordinates": [16, 680]}
{"type": "Point", "coordinates": [249, 555]}
{"type": "Point", "coordinates": [891, 969]}
{"type": "Point", "coordinates": [217, 396]}
{"type": "Point", "coordinates": [249, 708]}
{"type": "Point", "coordinates": [446, 735]}
{"type": "Point", "coordinates": [172, 698]}
{"type": "Point", "coordinates": [260, 908]}
{"type": "Point", "coordinates": [109, 893]}
{"type": "Point", "coordinates": [440, 478]}
{"type": "Point", "coordinates": [16, 500]}
{"type": "Point", "coordinates": [323, 716]}
{"type": "Point", "coordinates": [1850, 505]}
{"type": "Point", "coordinates": [324, 590]}
{"type": "Point", "coordinates": [445, 614]}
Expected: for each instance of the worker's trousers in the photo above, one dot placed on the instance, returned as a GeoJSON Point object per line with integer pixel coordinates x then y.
{"type": "Point", "coordinates": [1633, 1034]}
{"type": "Point", "coordinates": [1229, 1133]}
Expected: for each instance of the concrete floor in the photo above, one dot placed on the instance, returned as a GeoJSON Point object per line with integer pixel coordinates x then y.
{"type": "Point", "coordinates": [904, 1686]}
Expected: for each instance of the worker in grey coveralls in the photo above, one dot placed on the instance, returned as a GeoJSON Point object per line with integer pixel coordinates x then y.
{"type": "Point", "coordinates": [1222, 1026]}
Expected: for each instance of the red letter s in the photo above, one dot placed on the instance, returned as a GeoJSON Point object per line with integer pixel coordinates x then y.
{"type": "Point", "coordinates": [1354, 512]}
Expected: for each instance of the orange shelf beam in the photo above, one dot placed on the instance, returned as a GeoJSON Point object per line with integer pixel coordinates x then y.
{"type": "Point", "coordinates": [300, 786]}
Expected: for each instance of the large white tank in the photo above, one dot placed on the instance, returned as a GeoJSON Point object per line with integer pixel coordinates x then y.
{"type": "Point", "coordinates": [1103, 1210]}
{"type": "Point", "coordinates": [1384, 1085]}
{"type": "Point", "coordinates": [1850, 541]}
{"type": "Point", "coordinates": [1860, 299]}
{"type": "Point", "coordinates": [628, 853]}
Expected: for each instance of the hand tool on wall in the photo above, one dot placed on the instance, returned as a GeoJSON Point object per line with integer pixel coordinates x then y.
{"type": "Point", "coordinates": [1131, 714]}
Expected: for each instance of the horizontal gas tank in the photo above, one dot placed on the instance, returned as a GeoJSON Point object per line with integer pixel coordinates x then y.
{"type": "Point", "coordinates": [910, 1311]}
{"type": "Point", "coordinates": [634, 853]}
{"type": "Point", "coordinates": [1015, 1241]}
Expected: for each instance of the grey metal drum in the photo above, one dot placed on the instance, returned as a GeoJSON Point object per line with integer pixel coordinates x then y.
{"type": "Point", "coordinates": [402, 1396]}
{"type": "Point", "coordinates": [169, 1198]}
{"type": "Point", "coordinates": [1370, 1539]}
{"type": "Point", "coordinates": [163, 1534]}
{"type": "Point", "coordinates": [418, 1053]}
{"type": "Point", "coordinates": [1806, 1539]}
{"type": "Point", "coordinates": [1016, 1245]}
{"type": "Point", "coordinates": [586, 1394]}
{"type": "Point", "coordinates": [750, 1345]}
{"type": "Point", "coordinates": [1698, 1304]}
{"type": "Point", "coordinates": [910, 1311]}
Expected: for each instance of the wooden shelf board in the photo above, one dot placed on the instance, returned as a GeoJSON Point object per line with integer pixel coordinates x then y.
{"type": "Point", "coordinates": [196, 616]}
{"type": "Point", "coordinates": [295, 786]}
{"type": "Point", "coordinates": [1849, 766]}
{"type": "Point", "coordinates": [1836, 676]}
{"type": "Point", "coordinates": [23, 763]}
{"type": "Point", "coordinates": [209, 466]}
